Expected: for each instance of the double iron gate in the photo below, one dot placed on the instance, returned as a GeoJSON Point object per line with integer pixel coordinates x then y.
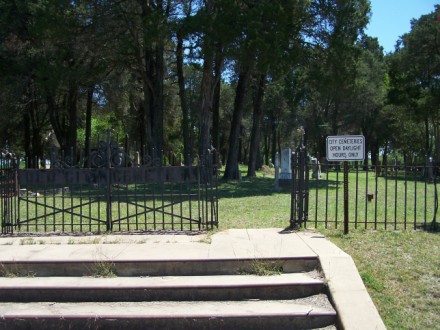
{"type": "Point", "coordinates": [117, 193]}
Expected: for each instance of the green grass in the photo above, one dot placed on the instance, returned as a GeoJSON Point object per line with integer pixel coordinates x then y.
{"type": "Point", "coordinates": [401, 269]}
{"type": "Point", "coordinates": [399, 202]}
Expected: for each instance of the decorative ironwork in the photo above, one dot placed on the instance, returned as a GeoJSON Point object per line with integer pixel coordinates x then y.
{"type": "Point", "coordinates": [8, 188]}
{"type": "Point", "coordinates": [300, 188]}
{"type": "Point", "coordinates": [114, 194]}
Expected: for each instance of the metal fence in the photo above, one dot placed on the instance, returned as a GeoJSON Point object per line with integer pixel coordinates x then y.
{"type": "Point", "coordinates": [118, 193]}
{"type": "Point", "coordinates": [396, 197]}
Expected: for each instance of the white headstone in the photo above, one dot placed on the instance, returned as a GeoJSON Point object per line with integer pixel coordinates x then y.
{"type": "Point", "coordinates": [286, 170]}
{"type": "Point", "coordinates": [316, 168]}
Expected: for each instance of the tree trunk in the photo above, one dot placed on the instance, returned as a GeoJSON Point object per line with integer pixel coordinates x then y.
{"type": "Point", "coordinates": [232, 170]}
{"type": "Point", "coordinates": [34, 123]}
{"type": "Point", "coordinates": [218, 65]}
{"type": "Point", "coordinates": [27, 140]}
{"type": "Point", "coordinates": [256, 125]}
{"type": "Point", "coordinates": [152, 78]}
{"type": "Point", "coordinates": [274, 141]}
{"type": "Point", "coordinates": [55, 121]}
{"type": "Point", "coordinates": [183, 100]}
{"type": "Point", "coordinates": [427, 138]}
{"type": "Point", "coordinates": [436, 155]}
{"type": "Point", "coordinates": [266, 147]}
{"type": "Point", "coordinates": [88, 137]}
{"type": "Point", "coordinates": [157, 113]}
{"type": "Point", "coordinates": [72, 98]}
{"type": "Point", "coordinates": [206, 98]}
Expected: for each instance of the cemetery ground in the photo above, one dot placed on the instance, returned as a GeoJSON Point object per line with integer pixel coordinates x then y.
{"type": "Point", "coordinates": [400, 268]}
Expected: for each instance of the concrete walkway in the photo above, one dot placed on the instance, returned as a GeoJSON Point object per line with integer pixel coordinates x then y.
{"type": "Point", "coordinates": [350, 298]}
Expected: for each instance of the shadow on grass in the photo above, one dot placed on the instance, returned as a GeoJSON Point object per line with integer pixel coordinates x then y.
{"type": "Point", "coordinates": [247, 187]}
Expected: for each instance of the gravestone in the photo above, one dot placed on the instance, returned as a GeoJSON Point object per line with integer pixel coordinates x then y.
{"type": "Point", "coordinates": [285, 177]}
{"type": "Point", "coordinates": [316, 168]}
{"type": "Point", "coordinates": [286, 169]}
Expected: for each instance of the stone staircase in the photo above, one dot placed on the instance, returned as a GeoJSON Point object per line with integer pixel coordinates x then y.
{"type": "Point", "coordinates": [266, 293]}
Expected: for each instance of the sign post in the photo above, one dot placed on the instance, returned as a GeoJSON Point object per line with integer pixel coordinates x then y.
{"type": "Point", "coordinates": [345, 148]}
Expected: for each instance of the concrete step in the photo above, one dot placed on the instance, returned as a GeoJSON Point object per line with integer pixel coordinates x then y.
{"type": "Point", "coordinates": [307, 313]}
{"type": "Point", "coordinates": [171, 288]}
{"type": "Point", "coordinates": [153, 267]}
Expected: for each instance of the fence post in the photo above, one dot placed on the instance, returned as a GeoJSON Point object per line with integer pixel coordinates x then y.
{"type": "Point", "coordinates": [346, 198]}
{"type": "Point", "coordinates": [8, 189]}
{"type": "Point", "coordinates": [300, 194]}
{"type": "Point", "coordinates": [108, 195]}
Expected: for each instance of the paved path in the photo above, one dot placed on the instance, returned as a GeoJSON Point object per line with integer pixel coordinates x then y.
{"type": "Point", "coordinates": [352, 302]}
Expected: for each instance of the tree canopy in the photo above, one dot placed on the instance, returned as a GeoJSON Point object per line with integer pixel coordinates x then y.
{"type": "Point", "coordinates": [189, 76]}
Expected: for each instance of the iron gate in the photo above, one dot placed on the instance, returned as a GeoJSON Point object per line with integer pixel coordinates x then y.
{"type": "Point", "coordinates": [299, 204]}
{"type": "Point", "coordinates": [115, 194]}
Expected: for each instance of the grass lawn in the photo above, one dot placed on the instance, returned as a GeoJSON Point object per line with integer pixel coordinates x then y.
{"type": "Point", "coordinates": [401, 269]}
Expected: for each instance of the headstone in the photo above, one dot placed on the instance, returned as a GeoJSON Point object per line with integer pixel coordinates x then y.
{"type": "Point", "coordinates": [316, 168]}
{"type": "Point", "coordinates": [286, 170]}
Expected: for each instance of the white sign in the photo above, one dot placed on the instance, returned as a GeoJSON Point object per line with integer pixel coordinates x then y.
{"type": "Point", "coordinates": [345, 147]}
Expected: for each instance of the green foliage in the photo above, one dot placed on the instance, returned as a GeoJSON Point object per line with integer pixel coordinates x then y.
{"type": "Point", "coordinates": [103, 269]}
{"type": "Point", "coordinates": [322, 73]}
{"type": "Point", "coordinates": [100, 124]}
{"type": "Point", "coordinates": [414, 81]}
{"type": "Point", "coordinates": [263, 268]}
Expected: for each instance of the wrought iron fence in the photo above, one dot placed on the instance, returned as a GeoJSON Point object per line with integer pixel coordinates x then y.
{"type": "Point", "coordinates": [394, 197]}
{"type": "Point", "coordinates": [299, 204]}
{"type": "Point", "coordinates": [119, 192]}
{"type": "Point", "coordinates": [8, 189]}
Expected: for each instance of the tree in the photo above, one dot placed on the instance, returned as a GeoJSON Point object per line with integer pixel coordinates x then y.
{"type": "Point", "coordinates": [414, 76]}
{"type": "Point", "coordinates": [368, 100]}
{"type": "Point", "coordinates": [269, 42]}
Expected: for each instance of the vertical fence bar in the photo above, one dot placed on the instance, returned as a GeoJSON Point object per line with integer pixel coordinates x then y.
{"type": "Point", "coordinates": [72, 223]}
{"type": "Point", "coordinates": [181, 199]}
{"type": "Point", "coordinates": [366, 195]}
{"type": "Point", "coordinates": [172, 204]}
{"type": "Point", "coordinates": [434, 217]}
{"type": "Point", "coordinates": [154, 207]}
{"type": "Point", "coordinates": [326, 197]}
{"type": "Point", "coordinates": [385, 167]}
{"type": "Point", "coordinates": [345, 198]}
{"type": "Point", "coordinates": [216, 192]}
{"type": "Point", "coordinates": [405, 206]}
{"type": "Point", "coordinates": [294, 188]}
{"type": "Point", "coordinates": [306, 188]}
{"type": "Point", "coordinates": [199, 197]}
{"type": "Point", "coordinates": [316, 198]}
{"type": "Point", "coordinates": [136, 199]}
{"type": "Point", "coordinates": [415, 203]}
{"type": "Point", "coordinates": [357, 196]}
{"type": "Point", "coordinates": [376, 195]}
{"type": "Point", "coordinates": [117, 196]}
{"type": "Point", "coordinates": [395, 196]}
{"type": "Point", "coordinates": [189, 187]}
{"type": "Point", "coordinates": [338, 166]}
{"type": "Point", "coordinates": [425, 202]}
{"type": "Point", "coordinates": [163, 204]}
{"type": "Point", "coordinates": [144, 189]}
{"type": "Point", "coordinates": [109, 221]}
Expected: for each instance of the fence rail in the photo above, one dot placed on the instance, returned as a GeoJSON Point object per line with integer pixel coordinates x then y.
{"type": "Point", "coordinates": [388, 197]}
{"type": "Point", "coordinates": [115, 194]}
